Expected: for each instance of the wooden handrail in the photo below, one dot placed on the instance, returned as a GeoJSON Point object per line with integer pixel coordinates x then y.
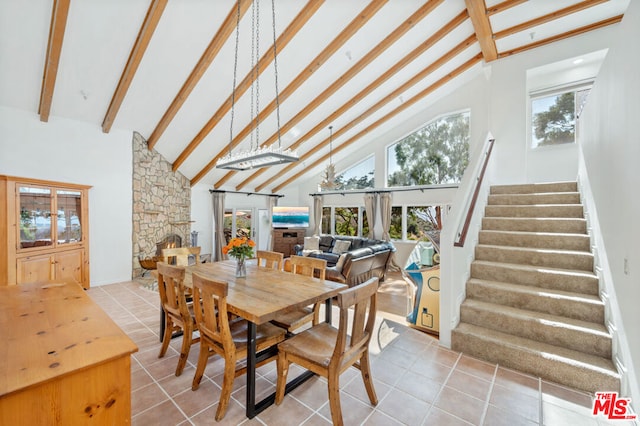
{"type": "Point", "coordinates": [465, 228]}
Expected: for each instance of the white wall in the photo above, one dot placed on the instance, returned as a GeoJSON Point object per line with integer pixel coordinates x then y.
{"type": "Point", "coordinates": [611, 149]}
{"type": "Point", "coordinates": [76, 152]}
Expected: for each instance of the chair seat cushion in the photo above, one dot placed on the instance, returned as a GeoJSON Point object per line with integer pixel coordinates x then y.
{"type": "Point", "coordinates": [315, 344]}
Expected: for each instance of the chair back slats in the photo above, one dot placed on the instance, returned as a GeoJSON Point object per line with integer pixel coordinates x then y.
{"type": "Point", "coordinates": [309, 266]}
{"type": "Point", "coordinates": [171, 289]}
{"type": "Point", "coordinates": [210, 299]}
{"type": "Point", "coordinates": [179, 256]}
{"type": "Point", "coordinates": [270, 259]}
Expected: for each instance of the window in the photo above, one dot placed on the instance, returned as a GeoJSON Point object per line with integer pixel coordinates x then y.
{"type": "Point", "coordinates": [395, 229]}
{"type": "Point", "coordinates": [436, 154]}
{"type": "Point", "coordinates": [359, 176]}
{"type": "Point", "coordinates": [237, 223]}
{"type": "Point", "coordinates": [346, 220]}
{"type": "Point", "coordinates": [553, 116]}
{"type": "Point", "coordinates": [421, 220]}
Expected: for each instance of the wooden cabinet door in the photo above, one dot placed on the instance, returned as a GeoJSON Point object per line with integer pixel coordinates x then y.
{"type": "Point", "coordinates": [33, 269]}
{"type": "Point", "coordinates": [68, 265]}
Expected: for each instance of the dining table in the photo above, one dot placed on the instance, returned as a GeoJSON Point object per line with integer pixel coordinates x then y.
{"type": "Point", "coordinates": [259, 297]}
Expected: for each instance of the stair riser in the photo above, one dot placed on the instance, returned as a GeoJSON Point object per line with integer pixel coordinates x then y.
{"type": "Point", "coordinates": [539, 302]}
{"type": "Point", "coordinates": [552, 280]}
{"type": "Point", "coordinates": [535, 188]}
{"type": "Point", "coordinates": [534, 329]}
{"type": "Point", "coordinates": [552, 369]}
{"type": "Point", "coordinates": [562, 211]}
{"type": "Point", "coordinates": [565, 242]}
{"type": "Point", "coordinates": [568, 226]}
{"type": "Point", "coordinates": [531, 199]}
{"type": "Point", "coordinates": [579, 260]}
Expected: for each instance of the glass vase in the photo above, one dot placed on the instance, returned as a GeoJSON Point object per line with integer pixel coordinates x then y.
{"type": "Point", "coordinates": [241, 268]}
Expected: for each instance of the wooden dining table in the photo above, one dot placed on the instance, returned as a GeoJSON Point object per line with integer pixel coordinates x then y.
{"type": "Point", "coordinates": [258, 298]}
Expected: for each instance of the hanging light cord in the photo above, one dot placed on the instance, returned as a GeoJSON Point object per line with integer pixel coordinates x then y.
{"type": "Point", "coordinates": [330, 143]}
{"type": "Point", "coordinates": [235, 73]}
{"type": "Point", "coordinates": [275, 67]}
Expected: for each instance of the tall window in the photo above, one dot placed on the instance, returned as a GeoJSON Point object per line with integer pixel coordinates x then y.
{"type": "Point", "coordinates": [553, 116]}
{"type": "Point", "coordinates": [346, 220]}
{"type": "Point", "coordinates": [421, 220]}
{"type": "Point", "coordinates": [395, 229]}
{"type": "Point", "coordinates": [436, 154]}
{"type": "Point", "coordinates": [359, 176]}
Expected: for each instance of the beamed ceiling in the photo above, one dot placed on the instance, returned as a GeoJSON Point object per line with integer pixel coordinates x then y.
{"type": "Point", "coordinates": [166, 69]}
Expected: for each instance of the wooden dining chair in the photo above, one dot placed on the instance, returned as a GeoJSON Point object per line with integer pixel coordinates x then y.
{"type": "Point", "coordinates": [296, 318]}
{"type": "Point", "coordinates": [328, 351]}
{"type": "Point", "coordinates": [226, 338]}
{"type": "Point", "coordinates": [180, 254]}
{"type": "Point", "coordinates": [178, 314]}
{"type": "Point", "coordinates": [270, 259]}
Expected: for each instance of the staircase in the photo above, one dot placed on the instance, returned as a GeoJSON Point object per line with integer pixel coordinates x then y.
{"type": "Point", "coordinates": [532, 300]}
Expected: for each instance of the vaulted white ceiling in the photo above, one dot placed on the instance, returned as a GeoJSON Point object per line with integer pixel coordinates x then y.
{"type": "Point", "coordinates": [166, 68]}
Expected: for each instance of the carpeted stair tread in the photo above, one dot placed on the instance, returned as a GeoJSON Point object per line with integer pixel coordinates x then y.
{"type": "Point", "coordinates": [535, 211]}
{"type": "Point", "coordinates": [585, 307]}
{"type": "Point", "coordinates": [550, 362]}
{"type": "Point", "coordinates": [568, 259]}
{"type": "Point", "coordinates": [585, 282]}
{"type": "Point", "coordinates": [535, 198]}
{"type": "Point", "coordinates": [549, 240]}
{"type": "Point", "coordinates": [572, 225]}
{"type": "Point", "coordinates": [535, 188]}
{"type": "Point", "coordinates": [584, 336]}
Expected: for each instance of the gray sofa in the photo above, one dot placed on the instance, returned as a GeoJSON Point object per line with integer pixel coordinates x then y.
{"type": "Point", "coordinates": [363, 259]}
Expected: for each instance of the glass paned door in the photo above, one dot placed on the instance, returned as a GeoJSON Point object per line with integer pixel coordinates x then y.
{"type": "Point", "coordinates": [35, 217]}
{"type": "Point", "coordinates": [68, 204]}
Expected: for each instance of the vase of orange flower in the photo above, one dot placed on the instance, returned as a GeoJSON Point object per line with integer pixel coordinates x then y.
{"type": "Point", "coordinates": [240, 248]}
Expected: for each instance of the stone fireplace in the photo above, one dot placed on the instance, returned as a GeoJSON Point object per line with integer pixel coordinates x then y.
{"type": "Point", "coordinates": [161, 205]}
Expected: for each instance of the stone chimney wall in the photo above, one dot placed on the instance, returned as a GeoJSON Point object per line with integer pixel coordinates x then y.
{"type": "Point", "coordinates": [161, 202]}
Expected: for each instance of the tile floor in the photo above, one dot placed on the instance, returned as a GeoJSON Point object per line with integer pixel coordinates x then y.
{"type": "Point", "coordinates": [417, 382]}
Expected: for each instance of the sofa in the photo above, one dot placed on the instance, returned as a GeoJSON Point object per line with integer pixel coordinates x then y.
{"type": "Point", "coordinates": [350, 260]}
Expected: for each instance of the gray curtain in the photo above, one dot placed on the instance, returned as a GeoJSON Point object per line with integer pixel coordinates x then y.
{"type": "Point", "coordinates": [370, 208]}
{"type": "Point", "coordinates": [273, 201]}
{"type": "Point", "coordinates": [218, 226]}
{"type": "Point", "coordinates": [385, 214]}
{"type": "Point", "coordinates": [317, 214]}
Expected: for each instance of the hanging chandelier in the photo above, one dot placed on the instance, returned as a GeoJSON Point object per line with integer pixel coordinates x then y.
{"type": "Point", "coordinates": [256, 157]}
{"type": "Point", "coordinates": [329, 175]}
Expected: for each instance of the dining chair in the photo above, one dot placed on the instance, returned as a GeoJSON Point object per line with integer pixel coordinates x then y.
{"type": "Point", "coordinates": [178, 315]}
{"type": "Point", "coordinates": [180, 254]}
{"type": "Point", "coordinates": [226, 338]}
{"type": "Point", "coordinates": [270, 259]}
{"type": "Point", "coordinates": [296, 318]}
{"type": "Point", "coordinates": [328, 351]}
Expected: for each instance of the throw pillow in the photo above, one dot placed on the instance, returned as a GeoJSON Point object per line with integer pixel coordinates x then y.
{"type": "Point", "coordinates": [340, 262]}
{"type": "Point", "coordinates": [340, 246]}
{"type": "Point", "coordinates": [311, 243]}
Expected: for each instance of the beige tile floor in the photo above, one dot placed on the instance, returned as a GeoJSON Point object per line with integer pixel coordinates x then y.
{"type": "Point", "coordinates": [417, 381]}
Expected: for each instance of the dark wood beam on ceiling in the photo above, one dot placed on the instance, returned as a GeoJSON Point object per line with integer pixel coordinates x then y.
{"type": "Point", "coordinates": [59, 14]}
{"type": "Point", "coordinates": [407, 59]}
{"type": "Point", "coordinates": [358, 22]}
{"type": "Point", "coordinates": [501, 7]}
{"type": "Point", "coordinates": [547, 18]}
{"type": "Point", "coordinates": [478, 14]}
{"type": "Point", "coordinates": [572, 33]}
{"type": "Point", "coordinates": [287, 35]}
{"type": "Point", "coordinates": [154, 13]}
{"type": "Point", "coordinates": [450, 76]}
{"type": "Point", "coordinates": [374, 53]}
{"type": "Point", "coordinates": [391, 97]}
{"type": "Point", "coordinates": [201, 67]}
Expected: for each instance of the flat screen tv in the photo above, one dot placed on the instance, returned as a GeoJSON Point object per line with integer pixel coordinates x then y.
{"type": "Point", "coordinates": [290, 217]}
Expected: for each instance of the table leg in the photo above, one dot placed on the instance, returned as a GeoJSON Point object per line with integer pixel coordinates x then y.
{"type": "Point", "coordinates": [251, 370]}
{"type": "Point", "coordinates": [162, 324]}
{"type": "Point", "coordinates": [327, 311]}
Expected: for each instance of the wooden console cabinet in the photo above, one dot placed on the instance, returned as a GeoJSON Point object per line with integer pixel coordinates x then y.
{"type": "Point", "coordinates": [44, 231]}
{"type": "Point", "coordinates": [285, 239]}
{"type": "Point", "coordinates": [64, 361]}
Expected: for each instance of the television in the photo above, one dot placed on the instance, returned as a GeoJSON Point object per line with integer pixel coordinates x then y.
{"type": "Point", "coordinates": [290, 217]}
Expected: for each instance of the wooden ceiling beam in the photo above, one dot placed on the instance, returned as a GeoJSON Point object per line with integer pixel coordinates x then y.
{"type": "Point", "coordinates": [374, 53]}
{"type": "Point", "coordinates": [201, 67]}
{"type": "Point", "coordinates": [478, 14]}
{"type": "Point", "coordinates": [358, 22]}
{"type": "Point", "coordinates": [501, 7]}
{"type": "Point", "coordinates": [154, 13]}
{"type": "Point", "coordinates": [381, 103]}
{"type": "Point", "coordinates": [547, 18]}
{"type": "Point", "coordinates": [287, 35]}
{"type": "Point", "coordinates": [450, 76]}
{"type": "Point", "coordinates": [568, 34]}
{"type": "Point", "coordinates": [413, 55]}
{"type": "Point", "coordinates": [59, 14]}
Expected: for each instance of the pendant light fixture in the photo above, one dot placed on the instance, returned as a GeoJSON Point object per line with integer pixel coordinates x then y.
{"type": "Point", "coordinates": [256, 157]}
{"type": "Point", "coordinates": [329, 175]}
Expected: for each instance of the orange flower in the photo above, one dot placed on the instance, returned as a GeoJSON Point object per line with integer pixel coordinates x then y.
{"type": "Point", "coordinates": [239, 247]}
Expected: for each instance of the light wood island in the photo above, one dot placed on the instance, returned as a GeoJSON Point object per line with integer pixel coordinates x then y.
{"type": "Point", "coordinates": [63, 361]}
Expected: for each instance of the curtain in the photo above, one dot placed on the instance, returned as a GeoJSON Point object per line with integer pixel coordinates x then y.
{"type": "Point", "coordinates": [385, 215]}
{"type": "Point", "coordinates": [317, 214]}
{"type": "Point", "coordinates": [370, 208]}
{"type": "Point", "coordinates": [273, 201]}
{"type": "Point", "coordinates": [218, 226]}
